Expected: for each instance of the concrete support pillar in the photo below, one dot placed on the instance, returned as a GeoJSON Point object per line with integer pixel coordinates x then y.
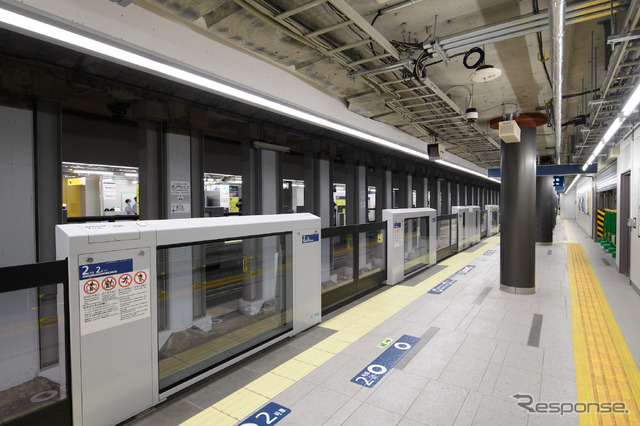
{"type": "Point", "coordinates": [325, 192]}
{"type": "Point", "coordinates": [409, 191]}
{"type": "Point", "coordinates": [150, 159]}
{"type": "Point", "coordinates": [17, 167]}
{"type": "Point", "coordinates": [48, 172]}
{"type": "Point", "coordinates": [418, 186]}
{"type": "Point", "coordinates": [381, 195]}
{"type": "Point", "coordinates": [444, 194]}
{"type": "Point", "coordinates": [432, 185]}
{"type": "Point", "coordinates": [454, 194]}
{"type": "Point", "coordinates": [48, 199]}
{"type": "Point", "coordinates": [355, 191]}
{"type": "Point", "coordinates": [388, 190]}
{"type": "Point", "coordinates": [197, 172]}
{"type": "Point", "coordinates": [311, 201]}
{"type": "Point", "coordinates": [177, 176]}
{"type": "Point", "coordinates": [545, 209]}
{"type": "Point", "coordinates": [517, 242]}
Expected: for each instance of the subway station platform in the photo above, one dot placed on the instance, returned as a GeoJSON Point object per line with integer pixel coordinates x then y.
{"type": "Point", "coordinates": [448, 347]}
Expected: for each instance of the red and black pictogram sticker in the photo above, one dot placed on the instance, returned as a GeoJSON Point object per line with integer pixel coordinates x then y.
{"type": "Point", "coordinates": [91, 286]}
{"type": "Point", "coordinates": [140, 277]}
{"type": "Point", "coordinates": [124, 280]}
{"type": "Point", "coordinates": [109, 283]}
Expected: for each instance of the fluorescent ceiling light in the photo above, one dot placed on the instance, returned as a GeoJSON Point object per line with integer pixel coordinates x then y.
{"type": "Point", "coordinates": [455, 166]}
{"type": "Point", "coordinates": [178, 74]}
{"type": "Point", "coordinates": [574, 181]}
{"type": "Point", "coordinates": [135, 175]}
{"type": "Point", "coordinates": [93, 172]}
{"type": "Point", "coordinates": [612, 129]}
{"type": "Point", "coordinates": [632, 103]}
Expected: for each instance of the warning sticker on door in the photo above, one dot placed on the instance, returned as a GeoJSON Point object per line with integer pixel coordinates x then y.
{"type": "Point", "coordinates": [112, 294]}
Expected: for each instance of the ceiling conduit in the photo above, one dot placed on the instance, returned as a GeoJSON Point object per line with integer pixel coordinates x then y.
{"type": "Point", "coordinates": [556, 24]}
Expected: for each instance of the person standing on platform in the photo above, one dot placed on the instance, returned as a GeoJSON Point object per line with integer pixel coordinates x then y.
{"type": "Point", "coordinates": [134, 206]}
{"type": "Point", "coordinates": [128, 208]}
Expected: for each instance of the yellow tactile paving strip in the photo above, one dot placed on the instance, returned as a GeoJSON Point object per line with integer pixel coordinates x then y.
{"type": "Point", "coordinates": [605, 370]}
{"type": "Point", "coordinates": [350, 326]}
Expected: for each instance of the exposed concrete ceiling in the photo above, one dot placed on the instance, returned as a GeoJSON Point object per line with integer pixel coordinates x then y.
{"type": "Point", "coordinates": [266, 29]}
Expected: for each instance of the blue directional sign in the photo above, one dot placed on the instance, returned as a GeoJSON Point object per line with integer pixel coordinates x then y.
{"type": "Point", "coordinates": [270, 414]}
{"type": "Point", "coordinates": [442, 286]}
{"type": "Point", "coordinates": [372, 374]}
{"type": "Point", "coordinates": [101, 269]}
{"type": "Point", "coordinates": [489, 252]}
{"type": "Point", "coordinates": [310, 238]}
{"type": "Point", "coordinates": [465, 270]}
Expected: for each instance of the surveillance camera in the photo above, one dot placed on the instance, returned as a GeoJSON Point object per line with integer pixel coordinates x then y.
{"type": "Point", "coordinates": [471, 115]}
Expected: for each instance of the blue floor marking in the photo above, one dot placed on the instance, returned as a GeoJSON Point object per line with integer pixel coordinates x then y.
{"type": "Point", "coordinates": [442, 286]}
{"type": "Point", "coordinates": [270, 414]}
{"type": "Point", "coordinates": [374, 372]}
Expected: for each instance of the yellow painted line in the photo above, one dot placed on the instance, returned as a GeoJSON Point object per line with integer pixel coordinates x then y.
{"type": "Point", "coordinates": [314, 356]}
{"type": "Point", "coordinates": [269, 385]}
{"type": "Point", "coordinates": [605, 370]}
{"type": "Point", "coordinates": [294, 369]}
{"type": "Point", "coordinates": [570, 234]}
{"type": "Point", "coordinates": [211, 416]}
{"type": "Point", "coordinates": [350, 326]}
{"type": "Point", "coordinates": [240, 404]}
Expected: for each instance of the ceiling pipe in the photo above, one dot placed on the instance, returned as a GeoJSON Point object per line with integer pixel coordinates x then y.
{"type": "Point", "coordinates": [556, 24]}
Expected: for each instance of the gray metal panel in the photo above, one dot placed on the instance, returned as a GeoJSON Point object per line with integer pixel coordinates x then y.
{"type": "Point", "coordinates": [17, 241]}
{"type": "Point", "coordinates": [517, 241]}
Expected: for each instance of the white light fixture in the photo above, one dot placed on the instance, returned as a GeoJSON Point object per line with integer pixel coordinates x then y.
{"type": "Point", "coordinates": [107, 50]}
{"type": "Point", "coordinates": [632, 103]}
{"type": "Point", "coordinates": [613, 128]}
{"type": "Point", "coordinates": [574, 182]}
{"type": "Point", "coordinates": [133, 175]}
{"type": "Point", "coordinates": [92, 172]}
{"type": "Point", "coordinates": [455, 166]}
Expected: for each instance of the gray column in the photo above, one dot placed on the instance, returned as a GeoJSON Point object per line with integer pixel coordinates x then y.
{"type": "Point", "coordinates": [380, 191]}
{"type": "Point", "coordinates": [545, 209]}
{"type": "Point", "coordinates": [388, 190]}
{"type": "Point", "coordinates": [517, 242]}
{"type": "Point", "coordinates": [311, 183]}
{"type": "Point", "coordinates": [432, 184]}
{"type": "Point", "coordinates": [48, 192]}
{"type": "Point", "coordinates": [325, 192]}
{"type": "Point", "coordinates": [362, 194]}
{"type": "Point", "coordinates": [17, 167]}
{"type": "Point", "coordinates": [353, 193]}
{"type": "Point", "coordinates": [48, 177]}
{"type": "Point", "coordinates": [270, 179]}
{"type": "Point", "coordinates": [454, 194]}
{"type": "Point", "coordinates": [177, 176]}
{"type": "Point", "coordinates": [199, 122]}
{"type": "Point", "coordinates": [444, 194]}
{"type": "Point", "coordinates": [409, 193]}
{"type": "Point", "coordinates": [250, 169]}
{"type": "Point", "coordinates": [418, 186]}
{"type": "Point", "coordinates": [150, 116]}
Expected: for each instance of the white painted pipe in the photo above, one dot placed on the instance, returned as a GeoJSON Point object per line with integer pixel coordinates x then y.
{"type": "Point", "coordinates": [556, 25]}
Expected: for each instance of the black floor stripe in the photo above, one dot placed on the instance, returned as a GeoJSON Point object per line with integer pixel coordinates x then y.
{"type": "Point", "coordinates": [534, 333]}
{"type": "Point", "coordinates": [605, 262]}
{"type": "Point", "coordinates": [423, 341]}
{"type": "Point", "coordinates": [482, 295]}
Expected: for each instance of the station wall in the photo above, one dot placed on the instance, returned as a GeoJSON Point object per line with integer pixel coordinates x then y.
{"type": "Point", "coordinates": [584, 204]}
{"type": "Point", "coordinates": [629, 160]}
